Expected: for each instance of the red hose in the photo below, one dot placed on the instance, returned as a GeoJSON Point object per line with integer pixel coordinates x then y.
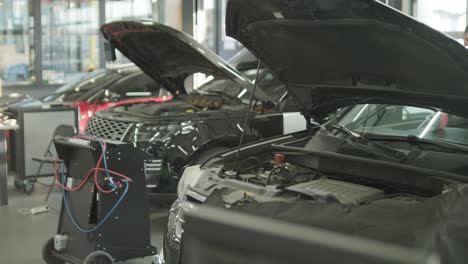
{"type": "Point", "coordinates": [96, 171]}
{"type": "Point", "coordinates": [59, 182]}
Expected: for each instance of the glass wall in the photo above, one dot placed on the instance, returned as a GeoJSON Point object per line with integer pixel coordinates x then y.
{"type": "Point", "coordinates": [67, 31]}
{"type": "Point", "coordinates": [448, 16]}
{"type": "Point", "coordinates": [16, 42]}
{"type": "Point", "coordinates": [397, 4]}
{"type": "Point", "coordinates": [228, 46]}
{"type": "Point", "coordinates": [210, 28]}
{"type": "Point", "coordinates": [70, 41]}
{"type": "Point", "coordinates": [130, 9]}
{"type": "Point", "coordinates": [67, 34]}
{"type": "Point", "coordinates": [206, 23]}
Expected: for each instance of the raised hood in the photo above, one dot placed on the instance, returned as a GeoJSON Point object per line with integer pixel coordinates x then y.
{"type": "Point", "coordinates": [333, 53]}
{"type": "Point", "coordinates": [165, 54]}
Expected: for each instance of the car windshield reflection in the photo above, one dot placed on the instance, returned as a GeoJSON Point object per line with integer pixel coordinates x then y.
{"type": "Point", "coordinates": [403, 121]}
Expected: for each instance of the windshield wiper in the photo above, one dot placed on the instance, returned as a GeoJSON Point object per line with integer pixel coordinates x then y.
{"type": "Point", "coordinates": [414, 140]}
{"type": "Point", "coordinates": [370, 146]}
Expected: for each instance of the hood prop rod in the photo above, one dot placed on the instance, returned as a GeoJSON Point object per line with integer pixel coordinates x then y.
{"type": "Point", "coordinates": [246, 119]}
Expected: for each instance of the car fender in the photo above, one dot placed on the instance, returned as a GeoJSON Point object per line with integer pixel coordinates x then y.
{"type": "Point", "coordinates": [230, 141]}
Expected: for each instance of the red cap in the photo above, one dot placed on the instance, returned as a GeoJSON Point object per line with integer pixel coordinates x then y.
{"type": "Point", "coordinates": [279, 158]}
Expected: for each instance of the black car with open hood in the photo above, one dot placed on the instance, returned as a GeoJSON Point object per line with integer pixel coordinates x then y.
{"type": "Point", "coordinates": [336, 53]}
{"type": "Point", "coordinates": [168, 55]}
{"type": "Point", "coordinates": [385, 155]}
{"type": "Point", "coordinates": [206, 115]}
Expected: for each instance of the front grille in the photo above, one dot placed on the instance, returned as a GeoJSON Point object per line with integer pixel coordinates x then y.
{"type": "Point", "coordinates": [107, 129]}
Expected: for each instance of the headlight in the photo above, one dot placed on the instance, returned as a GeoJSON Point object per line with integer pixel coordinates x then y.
{"type": "Point", "coordinates": [174, 224]}
{"type": "Point", "coordinates": [190, 177]}
{"type": "Point", "coordinates": [147, 132]}
{"type": "Point", "coordinates": [144, 134]}
{"type": "Point", "coordinates": [176, 221]}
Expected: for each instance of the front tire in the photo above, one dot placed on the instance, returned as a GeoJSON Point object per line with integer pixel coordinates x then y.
{"type": "Point", "coordinates": [28, 186]}
{"type": "Point", "coordinates": [19, 185]}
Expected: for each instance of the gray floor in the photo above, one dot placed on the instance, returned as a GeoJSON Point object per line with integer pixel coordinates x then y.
{"type": "Point", "coordinates": [22, 236]}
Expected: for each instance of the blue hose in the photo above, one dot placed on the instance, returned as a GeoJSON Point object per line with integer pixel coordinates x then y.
{"type": "Point", "coordinates": [106, 217]}
{"type": "Point", "coordinates": [104, 157]}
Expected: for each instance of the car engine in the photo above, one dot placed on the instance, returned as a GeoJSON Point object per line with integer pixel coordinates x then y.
{"type": "Point", "coordinates": [343, 192]}
{"type": "Point", "coordinates": [284, 179]}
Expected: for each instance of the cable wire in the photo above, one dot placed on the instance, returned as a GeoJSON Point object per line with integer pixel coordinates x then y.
{"type": "Point", "coordinates": [102, 159]}
{"type": "Point", "coordinates": [104, 219]}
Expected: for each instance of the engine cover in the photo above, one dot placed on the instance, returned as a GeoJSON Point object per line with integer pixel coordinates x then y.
{"type": "Point", "coordinates": [344, 192]}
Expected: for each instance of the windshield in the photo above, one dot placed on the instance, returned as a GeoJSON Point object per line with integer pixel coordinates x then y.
{"type": "Point", "coordinates": [403, 121]}
{"type": "Point", "coordinates": [74, 90]}
{"type": "Point", "coordinates": [223, 86]}
{"type": "Point", "coordinates": [247, 64]}
{"type": "Point", "coordinates": [127, 82]}
{"type": "Point", "coordinates": [244, 60]}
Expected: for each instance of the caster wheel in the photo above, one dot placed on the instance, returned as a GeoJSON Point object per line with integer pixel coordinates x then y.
{"type": "Point", "coordinates": [18, 184]}
{"type": "Point", "coordinates": [47, 253]}
{"type": "Point", "coordinates": [28, 186]}
{"type": "Point", "coordinates": [99, 257]}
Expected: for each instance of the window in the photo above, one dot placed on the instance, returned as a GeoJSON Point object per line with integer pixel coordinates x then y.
{"type": "Point", "coordinates": [227, 46]}
{"type": "Point", "coordinates": [271, 85]}
{"type": "Point", "coordinates": [130, 10]}
{"type": "Point", "coordinates": [247, 64]}
{"type": "Point", "coordinates": [397, 4]}
{"type": "Point", "coordinates": [69, 39]}
{"type": "Point", "coordinates": [16, 42]}
{"type": "Point", "coordinates": [67, 33]}
{"type": "Point", "coordinates": [205, 28]}
{"type": "Point", "coordinates": [446, 16]}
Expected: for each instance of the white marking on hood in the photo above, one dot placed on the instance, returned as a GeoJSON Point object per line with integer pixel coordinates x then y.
{"type": "Point", "coordinates": [240, 128]}
{"type": "Point", "coordinates": [242, 93]}
{"type": "Point", "coordinates": [181, 149]}
{"type": "Point", "coordinates": [278, 15]}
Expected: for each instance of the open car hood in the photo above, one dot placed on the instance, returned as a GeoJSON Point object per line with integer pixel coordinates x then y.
{"type": "Point", "coordinates": [167, 55]}
{"type": "Point", "coordinates": [333, 53]}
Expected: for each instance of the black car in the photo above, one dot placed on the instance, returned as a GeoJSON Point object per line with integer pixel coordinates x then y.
{"type": "Point", "coordinates": [202, 119]}
{"type": "Point", "coordinates": [385, 156]}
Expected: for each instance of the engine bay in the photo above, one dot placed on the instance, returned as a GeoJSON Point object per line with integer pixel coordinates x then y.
{"type": "Point", "coordinates": [395, 203]}
{"type": "Point", "coordinates": [192, 103]}
{"type": "Point", "coordinates": [182, 104]}
{"type": "Point", "coordinates": [292, 180]}
{"type": "Point", "coordinates": [347, 176]}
